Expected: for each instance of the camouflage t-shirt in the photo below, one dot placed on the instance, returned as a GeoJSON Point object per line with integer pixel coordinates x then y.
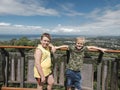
{"type": "Point", "coordinates": [76, 58]}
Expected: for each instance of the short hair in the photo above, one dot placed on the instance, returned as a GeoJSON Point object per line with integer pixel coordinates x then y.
{"type": "Point", "coordinates": [46, 35]}
{"type": "Point", "coordinates": [81, 39]}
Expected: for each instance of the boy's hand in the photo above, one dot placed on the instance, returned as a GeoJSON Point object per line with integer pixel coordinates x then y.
{"type": "Point", "coordinates": [43, 79]}
{"type": "Point", "coordinates": [103, 50]}
{"type": "Point", "coordinates": [53, 49]}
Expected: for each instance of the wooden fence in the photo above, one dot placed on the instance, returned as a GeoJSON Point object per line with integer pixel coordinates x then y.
{"type": "Point", "coordinates": [17, 70]}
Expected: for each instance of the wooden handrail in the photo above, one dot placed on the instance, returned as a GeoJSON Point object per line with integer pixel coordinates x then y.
{"type": "Point", "coordinates": [64, 49]}
{"type": "Point", "coordinates": [108, 51]}
{"type": "Point", "coordinates": [25, 47]}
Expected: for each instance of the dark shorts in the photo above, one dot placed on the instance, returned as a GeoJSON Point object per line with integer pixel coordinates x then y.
{"type": "Point", "coordinates": [39, 79]}
{"type": "Point", "coordinates": [73, 79]}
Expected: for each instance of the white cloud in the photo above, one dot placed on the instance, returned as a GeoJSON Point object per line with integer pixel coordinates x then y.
{"type": "Point", "coordinates": [104, 21]}
{"type": "Point", "coordinates": [21, 29]}
{"type": "Point", "coordinates": [18, 26]}
{"type": "Point", "coordinates": [24, 8]}
{"type": "Point", "coordinates": [100, 22]}
{"type": "Point", "coordinates": [4, 24]}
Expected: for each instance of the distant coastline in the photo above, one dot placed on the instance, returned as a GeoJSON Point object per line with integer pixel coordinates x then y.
{"type": "Point", "coordinates": [7, 37]}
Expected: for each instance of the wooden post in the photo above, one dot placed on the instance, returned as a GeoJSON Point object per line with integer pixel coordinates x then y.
{"type": "Point", "coordinates": [104, 75]}
{"type": "Point", "coordinates": [108, 76]}
{"type": "Point", "coordinates": [22, 66]}
{"type": "Point", "coordinates": [61, 75]}
{"type": "Point", "coordinates": [114, 76]}
{"type": "Point", "coordinates": [12, 70]}
{"type": "Point", "coordinates": [30, 74]}
{"type": "Point", "coordinates": [18, 70]}
{"type": "Point", "coordinates": [55, 72]}
{"type": "Point", "coordinates": [87, 76]}
{"type": "Point", "coordinates": [5, 59]}
{"type": "Point", "coordinates": [1, 69]}
{"type": "Point", "coordinates": [99, 70]}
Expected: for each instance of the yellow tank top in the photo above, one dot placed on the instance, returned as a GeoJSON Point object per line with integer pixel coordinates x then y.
{"type": "Point", "coordinates": [45, 62]}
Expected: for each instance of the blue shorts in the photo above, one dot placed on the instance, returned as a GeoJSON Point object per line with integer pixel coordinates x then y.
{"type": "Point", "coordinates": [73, 79]}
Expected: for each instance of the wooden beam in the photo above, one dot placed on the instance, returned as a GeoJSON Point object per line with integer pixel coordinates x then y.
{"type": "Point", "coordinates": [64, 49]}
{"type": "Point", "coordinates": [28, 47]}
{"type": "Point", "coordinates": [15, 88]}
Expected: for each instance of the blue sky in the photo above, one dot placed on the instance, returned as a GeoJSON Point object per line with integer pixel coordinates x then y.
{"type": "Point", "coordinates": [81, 17]}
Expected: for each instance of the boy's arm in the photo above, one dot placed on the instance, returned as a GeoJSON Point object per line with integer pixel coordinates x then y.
{"type": "Point", "coordinates": [38, 56]}
{"type": "Point", "coordinates": [96, 48]}
{"type": "Point", "coordinates": [52, 47]}
{"type": "Point", "coordinates": [62, 47]}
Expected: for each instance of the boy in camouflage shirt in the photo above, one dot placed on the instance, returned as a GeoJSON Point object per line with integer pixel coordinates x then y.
{"type": "Point", "coordinates": [74, 66]}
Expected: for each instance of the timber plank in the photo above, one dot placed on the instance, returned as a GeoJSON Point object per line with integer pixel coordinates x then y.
{"type": "Point", "coordinates": [14, 88]}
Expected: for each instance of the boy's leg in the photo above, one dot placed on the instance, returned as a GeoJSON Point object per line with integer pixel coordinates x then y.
{"type": "Point", "coordinates": [68, 88]}
{"type": "Point", "coordinates": [68, 84]}
{"type": "Point", "coordinates": [50, 81]}
{"type": "Point", "coordinates": [69, 79]}
{"type": "Point", "coordinates": [78, 81]}
{"type": "Point", "coordinates": [39, 87]}
{"type": "Point", "coordinates": [77, 89]}
{"type": "Point", "coordinates": [39, 84]}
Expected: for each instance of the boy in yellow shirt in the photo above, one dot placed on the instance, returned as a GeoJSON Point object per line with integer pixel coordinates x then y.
{"type": "Point", "coordinates": [42, 66]}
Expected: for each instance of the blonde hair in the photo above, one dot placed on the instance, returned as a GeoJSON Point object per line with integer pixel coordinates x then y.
{"type": "Point", "coordinates": [80, 39]}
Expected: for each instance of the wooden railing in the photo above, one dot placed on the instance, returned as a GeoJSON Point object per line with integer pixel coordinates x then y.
{"type": "Point", "coordinates": [17, 70]}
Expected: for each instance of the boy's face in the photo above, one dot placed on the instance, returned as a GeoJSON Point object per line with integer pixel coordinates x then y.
{"type": "Point", "coordinates": [79, 44]}
{"type": "Point", "coordinates": [45, 42]}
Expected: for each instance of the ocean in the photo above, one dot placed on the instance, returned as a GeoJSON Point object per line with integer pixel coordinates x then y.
{"type": "Point", "coordinates": [10, 37]}
{"type": "Point", "coordinates": [7, 37]}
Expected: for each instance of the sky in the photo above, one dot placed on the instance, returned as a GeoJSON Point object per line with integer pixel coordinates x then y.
{"type": "Point", "coordinates": [62, 17]}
